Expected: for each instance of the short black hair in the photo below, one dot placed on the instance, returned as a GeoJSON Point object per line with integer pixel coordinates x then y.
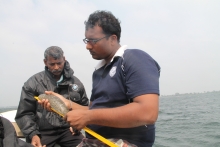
{"type": "Point", "coordinates": [107, 21]}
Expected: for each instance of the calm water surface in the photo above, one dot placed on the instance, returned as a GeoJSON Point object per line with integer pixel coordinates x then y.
{"type": "Point", "coordinates": [189, 120]}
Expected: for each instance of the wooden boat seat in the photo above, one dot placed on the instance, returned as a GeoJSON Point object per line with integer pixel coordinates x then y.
{"type": "Point", "coordinates": [17, 129]}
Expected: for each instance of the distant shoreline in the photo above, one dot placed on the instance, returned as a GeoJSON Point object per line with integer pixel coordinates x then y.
{"type": "Point", "coordinates": [8, 108]}
{"type": "Point", "coordinates": [193, 93]}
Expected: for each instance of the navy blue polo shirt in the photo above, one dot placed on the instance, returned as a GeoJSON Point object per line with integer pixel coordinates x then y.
{"type": "Point", "coordinates": [131, 72]}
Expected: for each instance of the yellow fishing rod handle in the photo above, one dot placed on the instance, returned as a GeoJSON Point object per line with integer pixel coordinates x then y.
{"type": "Point", "coordinates": [99, 137]}
{"type": "Point", "coordinates": [36, 98]}
{"type": "Point", "coordinates": [91, 132]}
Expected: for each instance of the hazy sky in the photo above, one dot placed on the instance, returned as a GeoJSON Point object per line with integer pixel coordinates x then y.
{"type": "Point", "coordinates": [183, 36]}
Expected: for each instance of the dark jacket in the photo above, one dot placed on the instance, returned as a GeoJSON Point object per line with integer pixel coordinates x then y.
{"type": "Point", "coordinates": [10, 138]}
{"type": "Point", "coordinates": [31, 117]}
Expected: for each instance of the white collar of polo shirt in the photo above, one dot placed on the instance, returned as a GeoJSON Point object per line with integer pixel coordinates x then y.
{"type": "Point", "coordinates": [119, 53]}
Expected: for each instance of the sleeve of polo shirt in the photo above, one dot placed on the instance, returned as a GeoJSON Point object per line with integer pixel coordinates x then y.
{"type": "Point", "coordinates": [142, 73]}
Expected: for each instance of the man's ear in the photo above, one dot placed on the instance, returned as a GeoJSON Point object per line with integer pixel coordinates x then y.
{"type": "Point", "coordinates": [45, 62]}
{"type": "Point", "coordinates": [64, 58]}
{"type": "Point", "coordinates": [114, 39]}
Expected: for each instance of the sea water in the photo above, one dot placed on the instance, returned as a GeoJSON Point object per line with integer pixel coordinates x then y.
{"type": "Point", "coordinates": [189, 120]}
{"type": "Point", "coordinates": [186, 120]}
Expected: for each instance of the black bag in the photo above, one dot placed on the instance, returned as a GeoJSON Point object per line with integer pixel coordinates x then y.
{"type": "Point", "coordinates": [9, 136]}
{"type": "Point", "coordinates": [1, 132]}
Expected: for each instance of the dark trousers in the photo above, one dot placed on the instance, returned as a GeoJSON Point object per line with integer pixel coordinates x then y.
{"type": "Point", "coordinates": [61, 136]}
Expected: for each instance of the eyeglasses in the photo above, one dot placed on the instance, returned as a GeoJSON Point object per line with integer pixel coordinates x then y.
{"type": "Point", "coordinates": [93, 41]}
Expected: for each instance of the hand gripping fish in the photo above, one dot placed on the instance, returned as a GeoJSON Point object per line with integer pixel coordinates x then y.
{"type": "Point", "coordinates": [58, 106]}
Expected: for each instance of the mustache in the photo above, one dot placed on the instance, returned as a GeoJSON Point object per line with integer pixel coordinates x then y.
{"type": "Point", "coordinates": [56, 71]}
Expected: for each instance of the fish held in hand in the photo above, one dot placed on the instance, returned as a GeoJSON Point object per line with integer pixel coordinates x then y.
{"type": "Point", "coordinates": [57, 105]}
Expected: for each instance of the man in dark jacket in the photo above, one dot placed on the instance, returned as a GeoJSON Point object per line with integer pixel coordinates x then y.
{"type": "Point", "coordinates": [39, 126]}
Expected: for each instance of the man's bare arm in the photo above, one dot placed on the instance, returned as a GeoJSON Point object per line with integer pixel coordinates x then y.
{"type": "Point", "coordinates": [143, 110]}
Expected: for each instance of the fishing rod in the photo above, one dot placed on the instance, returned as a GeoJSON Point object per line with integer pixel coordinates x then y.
{"type": "Point", "coordinates": [86, 129]}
